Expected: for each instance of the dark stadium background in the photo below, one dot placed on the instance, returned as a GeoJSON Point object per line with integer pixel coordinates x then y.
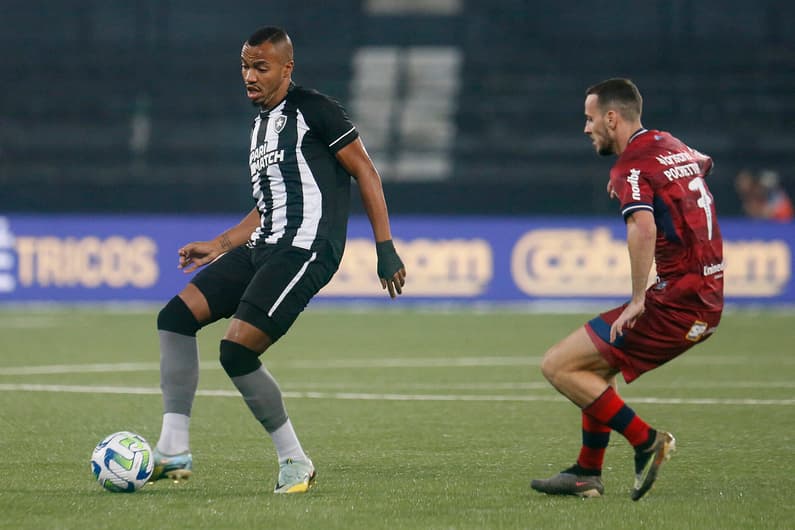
{"type": "Point", "coordinates": [79, 76]}
{"type": "Point", "coordinates": [124, 134]}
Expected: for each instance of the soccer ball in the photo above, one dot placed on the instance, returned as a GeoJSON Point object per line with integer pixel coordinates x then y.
{"type": "Point", "coordinates": [122, 462]}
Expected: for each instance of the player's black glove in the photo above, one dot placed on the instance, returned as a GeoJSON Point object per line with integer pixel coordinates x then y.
{"type": "Point", "coordinates": [388, 260]}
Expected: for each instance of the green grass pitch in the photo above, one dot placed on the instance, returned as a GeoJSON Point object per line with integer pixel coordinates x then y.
{"type": "Point", "coordinates": [414, 420]}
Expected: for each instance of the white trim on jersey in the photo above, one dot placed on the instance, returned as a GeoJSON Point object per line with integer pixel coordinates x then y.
{"type": "Point", "coordinates": [312, 198]}
{"type": "Point", "coordinates": [292, 283]}
{"type": "Point", "coordinates": [256, 191]}
{"type": "Point", "coordinates": [255, 132]}
{"type": "Point", "coordinates": [634, 207]}
{"type": "Point", "coordinates": [343, 136]}
{"type": "Point", "coordinates": [275, 180]}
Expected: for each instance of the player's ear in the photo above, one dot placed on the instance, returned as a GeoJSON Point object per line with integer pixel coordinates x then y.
{"type": "Point", "coordinates": [287, 71]}
{"type": "Point", "coordinates": [610, 119]}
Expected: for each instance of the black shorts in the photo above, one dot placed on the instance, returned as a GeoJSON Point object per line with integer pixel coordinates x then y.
{"type": "Point", "coordinates": [267, 287]}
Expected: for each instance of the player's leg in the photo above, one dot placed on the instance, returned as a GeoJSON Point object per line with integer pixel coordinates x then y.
{"type": "Point", "coordinates": [278, 293]}
{"type": "Point", "coordinates": [595, 438]}
{"type": "Point", "coordinates": [240, 352]}
{"type": "Point", "coordinates": [579, 371]}
{"type": "Point", "coordinates": [659, 336]}
{"type": "Point", "coordinates": [576, 368]}
{"type": "Point", "coordinates": [584, 477]}
{"type": "Point", "coordinates": [177, 325]}
{"type": "Point", "coordinates": [263, 396]}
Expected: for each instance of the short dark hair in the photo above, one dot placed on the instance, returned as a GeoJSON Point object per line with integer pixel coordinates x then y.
{"type": "Point", "coordinates": [271, 34]}
{"type": "Point", "coordinates": [620, 94]}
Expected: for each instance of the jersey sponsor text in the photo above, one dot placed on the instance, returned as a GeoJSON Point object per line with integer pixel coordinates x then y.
{"type": "Point", "coordinates": [259, 159]}
{"type": "Point", "coordinates": [634, 176]}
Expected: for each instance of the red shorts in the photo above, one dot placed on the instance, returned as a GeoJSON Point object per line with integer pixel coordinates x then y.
{"type": "Point", "coordinates": [659, 335]}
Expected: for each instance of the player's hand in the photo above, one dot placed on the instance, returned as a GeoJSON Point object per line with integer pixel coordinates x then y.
{"type": "Point", "coordinates": [196, 254]}
{"type": "Point", "coordinates": [611, 191]}
{"type": "Point", "coordinates": [391, 270]}
{"type": "Point", "coordinates": [627, 318]}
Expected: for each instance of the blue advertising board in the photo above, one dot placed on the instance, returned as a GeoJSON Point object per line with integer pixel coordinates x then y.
{"type": "Point", "coordinates": [134, 258]}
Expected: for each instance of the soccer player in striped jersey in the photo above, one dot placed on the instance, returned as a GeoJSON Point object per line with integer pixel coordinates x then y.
{"type": "Point", "coordinates": [264, 271]}
{"type": "Point", "coordinates": [670, 218]}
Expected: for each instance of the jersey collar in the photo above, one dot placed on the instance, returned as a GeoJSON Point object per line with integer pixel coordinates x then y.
{"type": "Point", "coordinates": [636, 134]}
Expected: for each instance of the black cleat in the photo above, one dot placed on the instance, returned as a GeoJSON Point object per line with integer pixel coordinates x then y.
{"type": "Point", "coordinates": [648, 462]}
{"type": "Point", "coordinates": [570, 482]}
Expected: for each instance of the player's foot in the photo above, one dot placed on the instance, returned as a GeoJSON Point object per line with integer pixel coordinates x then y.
{"type": "Point", "coordinates": [295, 476]}
{"type": "Point", "coordinates": [570, 481]}
{"type": "Point", "coordinates": [648, 462]}
{"type": "Point", "coordinates": [175, 467]}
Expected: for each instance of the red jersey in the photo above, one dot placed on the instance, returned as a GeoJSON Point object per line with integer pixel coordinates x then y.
{"type": "Point", "coordinates": [659, 173]}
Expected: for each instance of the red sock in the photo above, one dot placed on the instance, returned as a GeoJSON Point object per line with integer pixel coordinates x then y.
{"type": "Point", "coordinates": [595, 437]}
{"type": "Point", "coordinates": [609, 409]}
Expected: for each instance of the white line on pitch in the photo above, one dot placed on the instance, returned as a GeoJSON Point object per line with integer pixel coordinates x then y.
{"type": "Point", "coordinates": [420, 362]}
{"type": "Point", "coordinates": [86, 389]}
{"type": "Point", "coordinates": [324, 364]}
{"type": "Point", "coordinates": [81, 368]}
{"type": "Point", "coordinates": [440, 362]}
{"type": "Point", "coordinates": [531, 385]}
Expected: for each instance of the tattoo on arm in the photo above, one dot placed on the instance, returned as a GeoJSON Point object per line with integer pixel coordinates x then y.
{"type": "Point", "coordinates": [226, 244]}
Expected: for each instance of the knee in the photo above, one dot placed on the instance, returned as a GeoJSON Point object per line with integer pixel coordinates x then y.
{"type": "Point", "coordinates": [550, 365]}
{"type": "Point", "coordinates": [238, 360]}
{"type": "Point", "coordinates": [177, 317]}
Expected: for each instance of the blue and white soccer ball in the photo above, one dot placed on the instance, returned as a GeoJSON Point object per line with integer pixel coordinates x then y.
{"type": "Point", "coordinates": [122, 462]}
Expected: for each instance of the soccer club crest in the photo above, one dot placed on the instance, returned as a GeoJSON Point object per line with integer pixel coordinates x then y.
{"type": "Point", "coordinates": [279, 124]}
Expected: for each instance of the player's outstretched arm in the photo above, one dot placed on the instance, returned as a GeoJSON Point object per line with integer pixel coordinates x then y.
{"type": "Point", "coordinates": [199, 253]}
{"type": "Point", "coordinates": [641, 240]}
{"type": "Point", "coordinates": [357, 162]}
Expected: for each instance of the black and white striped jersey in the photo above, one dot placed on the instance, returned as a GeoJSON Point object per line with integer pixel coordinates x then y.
{"type": "Point", "coordinates": [301, 190]}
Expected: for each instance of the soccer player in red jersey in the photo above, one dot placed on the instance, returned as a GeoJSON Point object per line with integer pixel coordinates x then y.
{"type": "Point", "coordinates": [670, 218]}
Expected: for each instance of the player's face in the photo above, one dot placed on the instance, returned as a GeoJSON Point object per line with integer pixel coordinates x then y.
{"type": "Point", "coordinates": [596, 127]}
{"type": "Point", "coordinates": [266, 73]}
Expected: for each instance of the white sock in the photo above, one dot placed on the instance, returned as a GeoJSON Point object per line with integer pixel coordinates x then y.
{"type": "Point", "coordinates": [287, 444]}
{"type": "Point", "coordinates": [174, 436]}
